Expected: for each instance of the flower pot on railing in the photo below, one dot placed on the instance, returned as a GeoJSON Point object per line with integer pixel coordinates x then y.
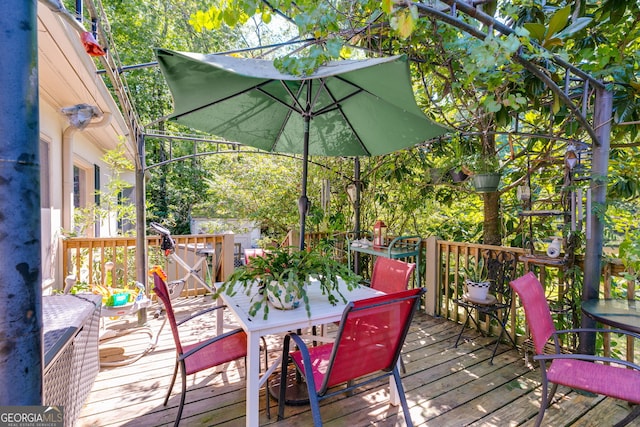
{"type": "Point", "coordinates": [486, 182]}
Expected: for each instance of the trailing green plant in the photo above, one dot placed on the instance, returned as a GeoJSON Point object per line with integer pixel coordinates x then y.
{"type": "Point", "coordinates": [479, 163]}
{"type": "Point", "coordinates": [290, 269]}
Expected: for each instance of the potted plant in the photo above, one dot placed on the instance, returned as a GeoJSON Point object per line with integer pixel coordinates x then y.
{"type": "Point", "coordinates": [485, 171]}
{"type": "Point", "coordinates": [283, 274]}
{"type": "Point", "coordinates": [476, 280]}
{"type": "Point", "coordinates": [459, 147]}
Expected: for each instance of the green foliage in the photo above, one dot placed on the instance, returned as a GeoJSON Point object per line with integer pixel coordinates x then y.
{"type": "Point", "coordinates": [476, 271]}
{"type": "Point", "coordinates": [472, 85]}
{"type": "Point", "coordinates": [630, 254]}
{"type": "Point", "coordinates": [292, 269]}
{"type": "Point", "coordinates": [480, 163]}
{"type": "Point", "coordinates": [558, 28]}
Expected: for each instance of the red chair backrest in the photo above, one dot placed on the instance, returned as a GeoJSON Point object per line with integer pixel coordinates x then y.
{"type": "Point", "coordinates": [371, 335]}
{"type": "Point", "coordinates": [390, 275]}
{"type": "Point", "coordinates": [536, 309]}
{"type": "Point", "coordinates": [250, 253]}
{"type": "Point", "coordinates": [161, 290]}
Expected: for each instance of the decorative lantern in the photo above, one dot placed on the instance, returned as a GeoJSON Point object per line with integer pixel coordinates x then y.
{"type": "Point", "coordinates": [90, 44]}
{"type": "Point", "coordinates": [570, 157]}
{"type": "Point", "coordinates": [379, 234]}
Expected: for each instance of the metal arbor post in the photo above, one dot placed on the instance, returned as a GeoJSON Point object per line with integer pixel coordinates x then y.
{"type": "Point", "coordinates": [21, 363]}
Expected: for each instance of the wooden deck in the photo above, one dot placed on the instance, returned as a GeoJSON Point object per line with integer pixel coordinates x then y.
{"type": "Point", "coordinates": [445, 386]}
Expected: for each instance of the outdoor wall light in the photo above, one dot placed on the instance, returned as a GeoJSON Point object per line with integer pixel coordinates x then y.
{"type": "Point", "coordinates": [80, 115]}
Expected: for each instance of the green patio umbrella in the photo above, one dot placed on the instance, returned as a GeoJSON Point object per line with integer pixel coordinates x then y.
{"type": "Point", "coordinates": [346, 108]}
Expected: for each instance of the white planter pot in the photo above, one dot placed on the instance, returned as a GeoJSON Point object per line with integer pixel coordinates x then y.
{"type": "Point", "coordinates": [477, 291]}
{"type": "Point", "coordinates": [283, 297]}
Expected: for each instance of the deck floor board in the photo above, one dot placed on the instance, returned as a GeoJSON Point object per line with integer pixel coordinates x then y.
{"type": "Point", "coordinates": [445, 386]}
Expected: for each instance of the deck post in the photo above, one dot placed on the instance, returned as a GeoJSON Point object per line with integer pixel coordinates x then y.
{"type": "Point", "coordinates": [21, 346]}
{"type": "Point", "coordinates": [431, 269]}
{"type": "Point", "coordinates": [599, 168]}
{"type": "Point", "coordinates": [227, 260]}
{"type": "Point", "coordinates": [141, 224]}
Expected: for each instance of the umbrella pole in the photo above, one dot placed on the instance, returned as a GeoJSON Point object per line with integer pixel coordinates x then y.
{"type": "Point", "coordinates": [356, 212]}
{"type": "Point", "coordinates": [303, 201]}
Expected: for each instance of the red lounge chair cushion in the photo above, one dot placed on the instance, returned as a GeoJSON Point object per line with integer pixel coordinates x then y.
{"type": "Point", "coordinates": [320, 356]}
{"type": "Point", "coordinates": [597, 378]}
{"type": "Point", "coordinates": [223, 351]}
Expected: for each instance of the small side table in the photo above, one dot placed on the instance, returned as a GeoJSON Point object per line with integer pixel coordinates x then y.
{"type": "Point", "coordinates": [402, 247]}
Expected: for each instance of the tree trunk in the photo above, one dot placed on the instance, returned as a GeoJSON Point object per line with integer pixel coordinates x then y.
{"type": "Point", "coordinates": [491, 226]}
{"type": "Point", "coordinates": [491, 234]}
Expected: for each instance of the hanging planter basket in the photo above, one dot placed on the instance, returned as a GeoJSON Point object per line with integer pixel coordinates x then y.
{"type": "Point", "coordinates": [486, 182]}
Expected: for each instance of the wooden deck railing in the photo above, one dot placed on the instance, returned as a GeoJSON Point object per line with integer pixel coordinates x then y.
{"type": "Point", "coordinates": [450, 256]}
{"type": "Point", "coordinates": [443, 279]}
{"type": "Point", "coordinates": [86, 259]}
{"type": "Point", "coordinates": [111, 260]}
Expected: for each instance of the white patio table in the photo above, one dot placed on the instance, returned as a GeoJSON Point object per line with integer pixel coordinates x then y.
{"type": "Point", "coordinates": [283, 321]}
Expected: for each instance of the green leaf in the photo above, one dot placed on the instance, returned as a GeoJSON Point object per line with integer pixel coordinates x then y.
{"type": "Point", "coordinates": [406, 23]}
{"type": "Point", "coordinates": [266, 16]}
{"type": "Point", "coordinates": [575, 27]}
{"type": "Point", "coordinates": [492, 105]}
{"type": "Point", "coordinates": [556, 104]}
{"type": "Point", "coordinates": [387, 6]}
{"type": "Point", "coordinates": [558, 21]}
{"type": "Point", "coordinates": [549, 43]}
{"type": "Point", "coordinates": [536, 30]}
{"type": "Point", "coordinates": [334, 46]}
{"type": "Point", "coordinates": [618, 9]}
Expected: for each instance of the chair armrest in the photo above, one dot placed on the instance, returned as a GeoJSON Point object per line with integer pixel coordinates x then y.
{"type": "Point", "coordinates": [306, 358]}
{"type": "Point", "coordinates": [587, 357]}
{"type": "Point", "coordinates": [200, 313]}
{"type": "Point", "coordinates": [208, 342]}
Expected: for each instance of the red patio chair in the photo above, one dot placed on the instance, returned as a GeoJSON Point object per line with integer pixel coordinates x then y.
{"type": "Point", "coordinates": [250, 253]}
{"type": "Point", "coordinates": [369, 340]}
{"type": "Point", "coordinates": [391, 275]}
{"type": "Point", "coordinates": [196, 357]}
{"type": "Point", "coordinates": [573, 370]}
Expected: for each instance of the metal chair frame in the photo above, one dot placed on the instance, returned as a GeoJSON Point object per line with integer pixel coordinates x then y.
{"type": "Point", "coordinates": [500, 272]}
{"type": "Point", "coordinates": [344, 373]}
{"type": "Point", "coordinates": [612, 377]}
{"type": "Point", "coordinates": [234, 339]}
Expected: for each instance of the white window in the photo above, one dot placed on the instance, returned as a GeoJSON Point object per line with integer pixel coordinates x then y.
{"type": "Point", "coordinates": [79, 187]}
{"type": "Point", "coordinates": [45, 201]}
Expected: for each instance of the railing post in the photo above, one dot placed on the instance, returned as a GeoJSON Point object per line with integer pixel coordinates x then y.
{"type": "Point", "coordinates": [293, 238]}
{"type": "Point", "coordinates": [227, 255]}
{"type": "Point", "coordinates": [431, 281]}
